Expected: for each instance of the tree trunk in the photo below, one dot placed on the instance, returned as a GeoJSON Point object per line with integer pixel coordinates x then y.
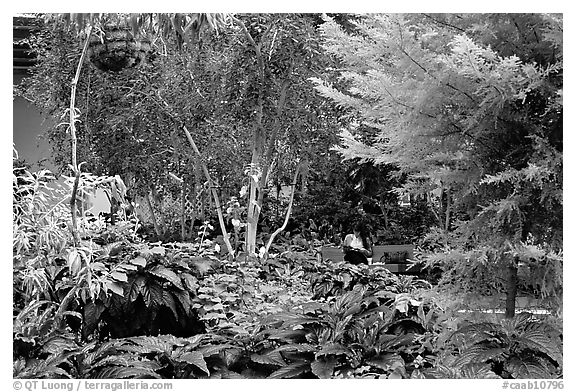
{"type": "Point", "coordinates": [253, 206]}
{"type": "Point", "coordinates": [512, 288]}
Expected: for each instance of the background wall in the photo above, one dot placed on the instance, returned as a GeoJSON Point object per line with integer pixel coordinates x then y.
{"type": "Point", "coordinates": [27, 130]}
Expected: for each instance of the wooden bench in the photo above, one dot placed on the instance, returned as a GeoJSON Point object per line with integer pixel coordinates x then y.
{"type": "Point", "coordinates": [392, 257]}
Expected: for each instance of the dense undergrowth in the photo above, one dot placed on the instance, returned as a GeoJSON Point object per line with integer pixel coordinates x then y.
{"type": "Point", "coordinates": [114, 306]}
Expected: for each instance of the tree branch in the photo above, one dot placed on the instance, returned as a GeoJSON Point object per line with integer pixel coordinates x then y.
{"type": "Point", "coordinates": [288, 212]}
{"type": "Point", "coordinates": [444, 23]}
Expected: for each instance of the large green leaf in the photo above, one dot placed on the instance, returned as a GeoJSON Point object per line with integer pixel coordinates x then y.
{"type": "Point", "coordinates": [478, 370]}
{"type": "Point", "coordinates": [137, 287]}
{"type": "Point", "coordinates": [114, 287]}
{"type": "Point", "coordinates": [166, 274]}
{"type": "Point", "coordinates": [119, 276]}
{"type": "Point", "coordinates": [195, 358]}
{"type": "Point", "coordinates": [230, 356]}
{"type": "Point", "coordinates": [139, 261]}
{"type": "Point", "coordinates": [126, 372]}
{"type": "Point", "coordinates": [170, 302]}
{"type": "Point", "coordinates": [533, 367]}
{"type": "Point", "coordinates": [334, 349]}
{"type": "Point", "coordinates": [386, 362]}
{"type": "Point", "coordinates": [114, 360]}
{"type": "Point", "coordinates": [291, 371]}
{"type": "Point", "coordinates": [59, 344]}
{"type": "Point", "coordinates": [184, 300]}
{"type": "Point", "coordinates": [92, 313]}
{"type": "Point", "coordinates": [158, 250]}
{"type": "Point", "coordinates": [288, 335]}
{"type": "Point", "coordinates": [271, 358]}
{"type": "Point", "coordinates": [292, 319]}
{"type": "Point", "coordinates": [152, 344]}
{"type": "Point", "coordinates": [190, 281]}
{"type": "Point", "coordinates": [213, 349]}
{"type": "Point", "coordinates": [300, 347]}
{"type": "Point", "coordinates": [323, 368]}
{"type": "Point", "coordinates": [540, 338]}
{"type": "Point", "coordinates": [478, 354]}
{"type": "Point", "coordinates": [42, 369]}
{"type": "Point", "coordinates": [473, 333]}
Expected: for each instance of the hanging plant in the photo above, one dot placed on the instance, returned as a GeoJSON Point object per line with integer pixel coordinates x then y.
{"type": "Point", "coordinates": [116, 48]}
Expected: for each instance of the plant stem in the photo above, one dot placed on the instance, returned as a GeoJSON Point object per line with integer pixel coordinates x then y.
{"type": "Point", "coordinates": [73, 116]}
{"type": "Point", "coordinates": [58, 318]}
{"type": "Point", "coordinates": [183, 212]}
{"type": "Point", "coordinates": [288, 212]}
{"type": "Point", "coordinates": [153, 215]}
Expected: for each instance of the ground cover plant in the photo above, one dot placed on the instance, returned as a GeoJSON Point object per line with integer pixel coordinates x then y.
{"type": "Point", "coordinates": [428, 130]}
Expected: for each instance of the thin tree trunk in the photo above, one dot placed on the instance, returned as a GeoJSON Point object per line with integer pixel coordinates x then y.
{"type": "Point", "coordinates": [159, 217]}
{"type": "Point", "coordinates": [194, 213]}
{"type": "Point", "coordinates": [256, 194]}
{"type": "Point", "coordinates": [73, 117]}
{"type": "Point", "coordinates": [304, 176]}
{"type": "Point", "coordinates": [198, 188]}
{"type": "Point", "coordinates": [208, 178]}
{"type": "Point", "coordinates": [253, 208]}
{"type": "Point", "coordinates": [288, 212]}
{"type": "Point", "coordinates": [270, 148]}
{"type": "Point", "coordinates": [183, 212]}
{"type": "Point", "coordinates": [448, 207]}
{"type": "Point", "coordinates": [153, 215]}
{"type": "Point", "coordinates": [214, 193]}
{"type": "Point", "coordinates": [512, 289]}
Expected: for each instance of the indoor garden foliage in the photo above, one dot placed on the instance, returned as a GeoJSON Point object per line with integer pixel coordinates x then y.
{"type": "Point", "coordinates": [251, 141]}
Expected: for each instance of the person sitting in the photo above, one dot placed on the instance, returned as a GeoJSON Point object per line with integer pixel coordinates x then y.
{"type": "Point", "coordinates": [357, 246]}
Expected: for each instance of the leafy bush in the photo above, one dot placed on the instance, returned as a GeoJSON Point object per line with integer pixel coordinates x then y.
{"type": "Point", "coordinates": [152, 294]}
{"type": "Point", "coordinates": [41, 349]}
{"type": "Point", "coordinates": [333, 279]}
{"type": "Point", "coordinates": [523, 347]}
{"type": "Point", "coordinates": [358, 334]}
